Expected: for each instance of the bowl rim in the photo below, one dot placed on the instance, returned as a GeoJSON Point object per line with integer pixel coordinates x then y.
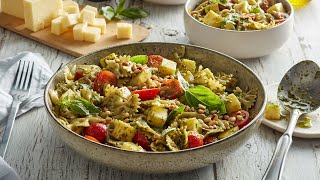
{"type": "Point", "coordinates": [186, 10]}
{"type": "Point", "coordinates": [257, 117]}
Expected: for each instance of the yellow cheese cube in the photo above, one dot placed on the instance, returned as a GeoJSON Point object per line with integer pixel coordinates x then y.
{"type": "Point", "coordinates": [13, 7]}
{"type": "Point", "coordinates": [56, 26]}
{"type": "Point", "coordinates": [39, 13]}
{"type": "Point", "coordinates": [74, 9]}
{"type": "Point", "coordinates": [91, 8]}
{"type": "Point", "coordinates": [100, 23]}
{"type": "Point", "coordinates": [69, 2]}
{"type": "Point", "coordinates": [78, 31]}
{"type": "Point", "coordinates": [124, 31]}
{"type": "Point", "coordinates": [61, 12]}
{"type": "Point", "coordinates": [87, 16]}
{"type": "Point", "coordinates": [92, 34]}
{"type": "Point", "coordinates": [70, 20]}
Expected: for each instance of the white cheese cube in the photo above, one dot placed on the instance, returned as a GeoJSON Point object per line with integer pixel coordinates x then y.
{"type": "Point", "coordinates": [124, 31]}
{"type": "Point", "coordinates": [39, 13]}
{"type": "Point", "coordinates": [91, 8]}
{"type": "Point", "coordinates": [70, 20]}
{"type": "Point", "coordinates": [78, 31]}
{"type": "Point", "coordinates": [87, 16]}
{"type": "Point", "coordinates": [167, 67]}
{"type": "Point", "coordinates": [13, 7]}
{"type": "Point", "coordinates": [100, 23]}
{"type": "Point", "coordinates": [56, 26]}
{"type": "Point", "coordinates": [125, 92]}
{"type": "Point", "coordinates": [92, 34]}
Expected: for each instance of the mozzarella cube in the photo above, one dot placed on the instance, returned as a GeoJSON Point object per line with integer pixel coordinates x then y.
{"type": "Point", "coordinates": [78, 31]}
{"type": "Point", "coordinates": [167, 67]}
{"type": "Point", "coordinates": [70, 20]}
{"type": "Point", "coordinates": [56, 26]}
{"type": "Point", "coordinates": [87, 16]}
{"type": "Point", "coordinates": [61, 12]}
{"type": "Point", "coordinates": [100, 23]}
{"type": "Point", "coordinates": [92, 34]}
{"type": "Point", "coordinates": [124, 31]}
{"type": "Point", "coordinates": [91, 8]}
{"type": "Point", "coordinates": [38, 14]}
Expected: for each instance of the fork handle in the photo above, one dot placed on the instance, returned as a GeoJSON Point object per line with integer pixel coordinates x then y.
{"type": "Point", "coordinates": [9, 125]}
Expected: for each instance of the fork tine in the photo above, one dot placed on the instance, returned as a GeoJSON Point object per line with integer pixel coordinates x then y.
{"type": "Point", "coordinates": [23, 76]}
{"type": "Point", "coordinates": [15, 81]}
{"type": "Point", "coordinates": [28, 84]}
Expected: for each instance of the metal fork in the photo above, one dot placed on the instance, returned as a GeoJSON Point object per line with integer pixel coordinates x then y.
{"type": "Point", "coordinates": [19, 91]}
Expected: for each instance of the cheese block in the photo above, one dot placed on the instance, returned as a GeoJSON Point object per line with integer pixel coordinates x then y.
{"type": "Point", "coordinates": [70, 20]}
{"type": "Point", "coordinates": [56, 26]}
{"type": "Point", "coordinates": [39, 13]}
{"type": "Point", "coordinates": [78, 31]}
{"type": "Point", "coordinates": [71, 7]}
{"type": "Point", "coordinates": [124, 31]}
{"type": "Point", "coordinates": [100, 23]}
{"type": "Point", "coordinates": [91, 8]}
{"type": "Point", "coordinates": [87, 16]}
{"type": "Point", "coordinates": [92, 34]}
{"type": "Point", "coordinates": [13, 7]}
{"type": "Point", "coordinates": [61, 12]}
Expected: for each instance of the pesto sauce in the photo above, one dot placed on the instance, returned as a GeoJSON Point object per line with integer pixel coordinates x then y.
{"type": "Point", "coordinates": [305, 124]}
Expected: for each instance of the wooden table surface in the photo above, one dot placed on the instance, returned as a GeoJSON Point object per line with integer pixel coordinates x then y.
{"type": "Point", "coordinates": [35, 152]}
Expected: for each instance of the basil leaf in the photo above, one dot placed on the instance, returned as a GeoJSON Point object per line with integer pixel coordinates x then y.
{"type": "Point", "coordinates": [184, 84]}
{"type": "Point", "coordinates": [108, 12]}
{"type": "Point", "coordinates": [134, 13]}
{"type": "Point", "coordinates": [139, 59]}
{"type": "Point", "coordinates": [203, 95]}
{"type": "Point", "coordinates": [81, 106]}
{"type": "Point", "coordinates": [255, 10]}
{"type": "Point", "coordinates": [174, 113]}
{"type": "Point", "coordinates": [120, 6]}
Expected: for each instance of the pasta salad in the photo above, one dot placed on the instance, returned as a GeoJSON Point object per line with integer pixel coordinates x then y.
{"type": "Point", "coordinates": [241, 15]}
{"type": "Point", "coordinates": [150, 103]}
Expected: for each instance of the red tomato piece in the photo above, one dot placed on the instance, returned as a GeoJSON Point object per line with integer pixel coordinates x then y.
{"type": "Point", "coordinates": [209, 140]}
{"type": "Point", "coordinates": [194, 140]}
{"type": "Point", "coordinates": [78, 74]}
{"type": "Point", "coordinates": [245, 121]}
{"type": "Point", "coordinates": [91, 138]}
{"type": "Point", "coordinates": [147, 94]}
{"type": "Point", "coordinates": [170, 89]}
{"type": "Point", "coordinates": [265, 5]}
{"type": "Point", "coordinates": [97, 130]}
{"type": "Point", "coordinates": [154, 60]}
{"type": "Point", "coordinates": [142, 141]}
{"type": "Point", "coordinates": [102, 78]}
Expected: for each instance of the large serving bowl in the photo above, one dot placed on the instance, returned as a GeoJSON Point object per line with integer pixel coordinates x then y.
{"type": "Point", "coordinates": [238, 44]}
{"type": "Point", "coordinates": [163, 162]}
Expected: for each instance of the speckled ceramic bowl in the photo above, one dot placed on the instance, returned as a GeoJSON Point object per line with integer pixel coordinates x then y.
{"type": "Point", "coordinates": [163, 162]}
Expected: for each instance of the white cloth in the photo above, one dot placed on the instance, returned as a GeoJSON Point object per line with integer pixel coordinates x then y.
{"type": "Point", "coordinates": [8, 69]}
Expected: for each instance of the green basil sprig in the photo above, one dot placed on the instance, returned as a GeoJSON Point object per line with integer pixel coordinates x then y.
{"type": "Point", "coordinates": [174, 113]}
{"type": "Point", "coordinates": [201, 95]}
{"type": "Point", "coordinates": [139, 59]}
{"type": "Point", "coordinates": [80, 106]}
{"type": "Point", "coordinates": [131, 12]}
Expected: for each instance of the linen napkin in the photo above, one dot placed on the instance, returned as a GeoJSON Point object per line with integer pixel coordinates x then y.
{"type": "Point", "coordinates": [8, 69]}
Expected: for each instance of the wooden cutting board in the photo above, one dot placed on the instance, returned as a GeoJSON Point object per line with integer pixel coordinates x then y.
{"type": "Point", "coordinates": [65, 42]}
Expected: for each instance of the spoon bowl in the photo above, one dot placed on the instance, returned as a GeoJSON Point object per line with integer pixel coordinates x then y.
{"type": "Point", "coordinates": [298, 92]}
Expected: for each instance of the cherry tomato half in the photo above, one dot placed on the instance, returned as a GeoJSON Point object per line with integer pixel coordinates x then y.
{"type": "Point", "coordinates": [78, 74]}
{"type": "Point", "coordinates": [91, 138]}
{"type": "Point", "coordinates": [209, 140]}
{"type": "Point", "coordinates": [170, 89]}
{"type": "Point", "coordinates": [97, 130]}
{"type": "Point", "coordinates": [154, 60]}
{"type": "Point", "coordinates": [194, 140]}
{"type": "Point", "coordinates": [142, 141]}
{"type": "Point", "coordinates": [102, 78]}
{"type": "Point", "coordinates": [147, 94]}
{"type": "Point", "coordinates": [245, 119]}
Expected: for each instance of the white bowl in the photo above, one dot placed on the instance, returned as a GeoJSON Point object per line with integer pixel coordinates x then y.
{"type": "Point", "coordinates": [167, 2]}
{"type": "Point", "coordinates": [239, 44]}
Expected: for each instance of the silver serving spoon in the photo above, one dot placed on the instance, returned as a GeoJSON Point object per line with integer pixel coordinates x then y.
{"type": "Point", "coordinates": [299, 93]}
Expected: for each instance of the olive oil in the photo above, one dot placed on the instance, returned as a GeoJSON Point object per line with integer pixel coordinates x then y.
{"type": "Point", "coordinates": [299, 3]}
